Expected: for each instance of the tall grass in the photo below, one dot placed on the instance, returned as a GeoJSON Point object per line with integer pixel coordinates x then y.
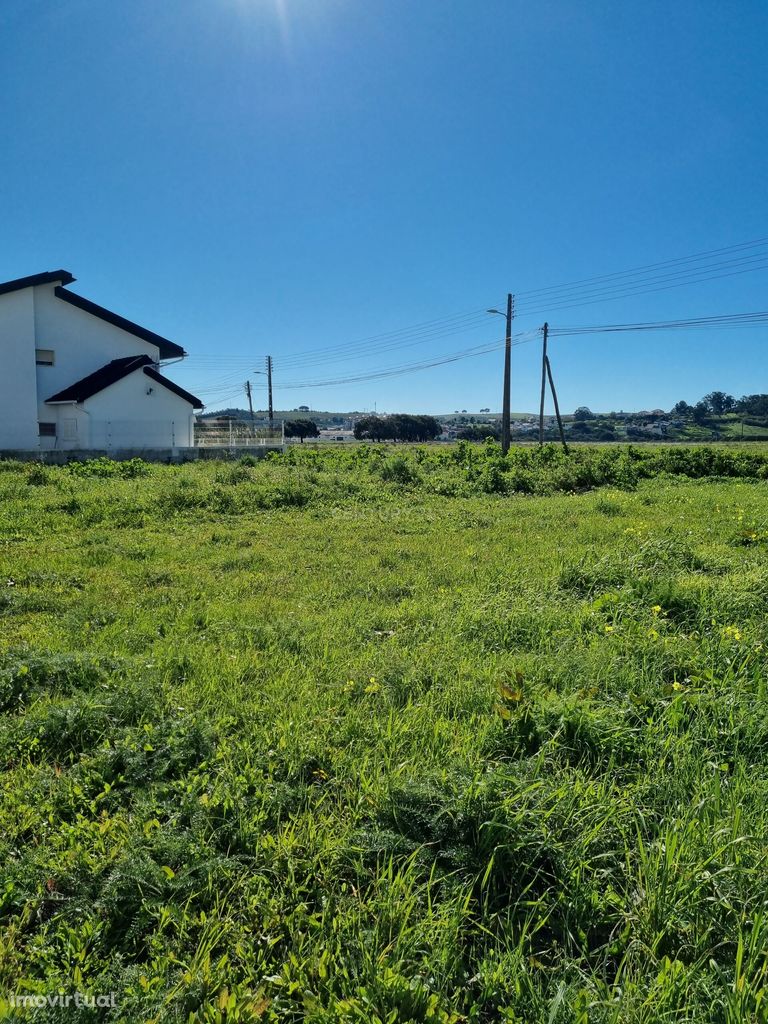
{"type": "Point", "coordinates": [392, 735]}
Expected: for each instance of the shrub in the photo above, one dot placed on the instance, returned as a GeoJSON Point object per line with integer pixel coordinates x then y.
{"type": "Point", "coordinates": [38, 475]}
{"type": "Point", "coordinates": [105, 468]}
{"type": "Point", "coordinates": [399, 470]}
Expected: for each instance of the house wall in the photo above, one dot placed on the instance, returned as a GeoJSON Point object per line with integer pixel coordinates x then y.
{"type": "Point", "coordinates": [18, 400]}
{"type": "Point", "coordinates": [72, 428]}
{"type": "Point", "coordinates": [82, 343]}
{"type": "Point", "coordinates": [122, 416]}
{"type": "Point", "coordinates": [137, 412]}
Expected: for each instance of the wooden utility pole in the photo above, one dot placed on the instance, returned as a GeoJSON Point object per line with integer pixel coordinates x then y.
{"type": "Point", "coordinates": [269, 388]}
{"type": "Point", "coordinates": [543, 383]}
{"type": "Point", "coordinates": [557, 406]}
{"type": "Point", "coordinates": [250, 401]}
{"type": "Point", "coordinates": [506, 403]}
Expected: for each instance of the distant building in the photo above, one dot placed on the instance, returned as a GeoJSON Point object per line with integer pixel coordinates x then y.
{"type": "Point", "coordinates": [77, 376]}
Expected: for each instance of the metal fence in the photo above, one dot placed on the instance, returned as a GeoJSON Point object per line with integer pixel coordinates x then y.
{"type": "Point", "coordinates": [236, 434]}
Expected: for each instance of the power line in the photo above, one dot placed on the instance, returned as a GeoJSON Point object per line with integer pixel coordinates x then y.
{"type": "Point", "coordinates": [647, 267]}
{"type": "Point", "coordinates": [348, 352]}
{"type": "Point", "coordinates": [726, 320]}
{"type": "Point", "coordinates": [590, 287]}
{"type": "Point", "coordinates": [727, 261]}
{"type": "Point", "coordinates": [396, 371]}
{"type": "Point", "coordinates": [662, 283]}
{"type": "Point", "coordinates": [404, 340]}
{"type": "Point", "coordinates": [721, 321]}
{"type": "Point", "coordinates": [662, 275]}
{"type": "Point", "coordinates": [658, 282]}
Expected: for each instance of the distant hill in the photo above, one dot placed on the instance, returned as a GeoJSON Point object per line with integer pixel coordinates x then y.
{"type": "Point", "coordinates": [261, 416]}
{"type": "Point", "coordinates": [747, 419]}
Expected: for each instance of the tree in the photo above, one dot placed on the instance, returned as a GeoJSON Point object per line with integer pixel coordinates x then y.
{"type": "Point", "coordinates": [753, 405]}
{"type": "Point", "coordinates": [301, 429]}
{"type": "Point", "coordinates": [399, 427]}
{"type": "Point", "coordinates": [404, 427]}
{"type": "Point", "coordinates": [682, 409]}
{"type": "Point", "coordinates": [583, 413]}
{"type": "Point", "coordinates": [700, 412]}
{"type": "Point", "coordinates": [428, 428]}
{"type": "Point", "coordinates": [370, 428]}
{"type": "Point", "coordinates": [479, 432]}
{"type": "Point", "coordinates": [718, 403]}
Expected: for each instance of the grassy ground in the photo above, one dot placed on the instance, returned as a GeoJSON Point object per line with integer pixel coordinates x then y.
{"type": "Point", "coordinates": [377, 736]}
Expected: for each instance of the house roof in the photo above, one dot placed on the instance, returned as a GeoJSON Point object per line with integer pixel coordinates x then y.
{"type": "Point", "coordinates": [111, 374]}
{"type": "Point", "coordinates": [152, 373]}
{"type": "Point", "coordinates": [100, 379]}
{"type": "Point", "coordinates": [168, 349]}
{"type": "Point", "coordinates": [62, 276]}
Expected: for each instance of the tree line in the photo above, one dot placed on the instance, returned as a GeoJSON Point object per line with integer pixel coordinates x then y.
{"type": "Point", "coordinates": [718, 403]}
{"type": "Point", "coordinates": [397, 427]}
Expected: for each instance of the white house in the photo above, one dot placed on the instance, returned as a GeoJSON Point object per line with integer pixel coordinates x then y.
{"type": "Point", "coordinates": [74, 375]}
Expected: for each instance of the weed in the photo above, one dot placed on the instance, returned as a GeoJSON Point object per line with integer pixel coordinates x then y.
{"type": "Point", "coordinates": [388, 733]}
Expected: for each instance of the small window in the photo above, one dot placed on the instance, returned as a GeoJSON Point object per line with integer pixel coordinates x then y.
{"type": "Point", "coordinates": [44, 356]}
{"type": "Point", "coordinates": [46, 429]}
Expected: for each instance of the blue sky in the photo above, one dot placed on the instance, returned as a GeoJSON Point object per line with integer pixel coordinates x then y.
{"type": "Point", "coordinates": [286, 176]}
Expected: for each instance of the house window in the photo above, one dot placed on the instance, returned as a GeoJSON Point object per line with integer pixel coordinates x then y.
{"type": "Point", "coordinates": [46, 429]}
{"type": "Point", "coordinates": [44, 356]}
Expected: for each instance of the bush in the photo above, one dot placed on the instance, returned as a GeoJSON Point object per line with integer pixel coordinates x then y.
{"type": "Point", "coordinates": [104, 467]}
{"type": "Point", "coordinates": [38, 476]}
{"type": "Point", "coordinates": [399, 470]}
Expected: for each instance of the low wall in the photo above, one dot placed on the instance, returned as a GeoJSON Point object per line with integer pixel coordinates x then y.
{"type": "Point", "coordinates": [61, 458]}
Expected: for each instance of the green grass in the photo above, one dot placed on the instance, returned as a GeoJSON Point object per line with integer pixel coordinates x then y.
{"type": "Point", "coordinates": [733, 428]}
{"type": "Point", "coordinates": [388, 735]}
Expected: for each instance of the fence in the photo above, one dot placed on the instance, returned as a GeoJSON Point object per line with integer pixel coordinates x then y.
{"type": "Point", "coordinates": [237, 434]}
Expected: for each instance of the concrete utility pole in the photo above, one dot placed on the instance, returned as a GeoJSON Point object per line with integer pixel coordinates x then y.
{"type": "Point", "coordinates": [545, 329]}
{"type": "Point", "coordinates": [250, 401]}
{"type": "Point", "coordinates": [507, 405]}
{"type": "Point", "coordinates": [269, 388]}
{"type": "Point", "coordinates": [560, 426]}
{"type": "Point", "coordinates": [507, 397]}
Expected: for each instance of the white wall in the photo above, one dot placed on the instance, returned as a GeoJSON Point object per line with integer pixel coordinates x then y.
{"type": "Point", "coordinates": [18, 402]}
{"type": "Point", "coordinates": [82, 343]}
{"type": "Point", "coordinates": [126, 416]}
{"type": "Point", "coordinates": [123, 416]}
{"type": "Point", "coordinates": [72, 427]}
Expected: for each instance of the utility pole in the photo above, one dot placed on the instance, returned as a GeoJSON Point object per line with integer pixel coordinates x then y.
{"type": "Point", "coordinates": [543, 383]}
{"type": "Point", "coordinates": [250, 402]}
{"type": "Point", "coordinates": [269, 388]}
{"type": "Point", "coordinates": [557, 404]}
{"type": "Point", "coordinates": [506, 404]}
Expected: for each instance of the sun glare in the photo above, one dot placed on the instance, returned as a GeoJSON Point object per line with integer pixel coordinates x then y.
{"type": "Point", "coordinates": [277, 9]}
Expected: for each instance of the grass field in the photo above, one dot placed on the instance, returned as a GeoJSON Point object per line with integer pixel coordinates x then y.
{"type": "Point", "coordinates": [387, 736]}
